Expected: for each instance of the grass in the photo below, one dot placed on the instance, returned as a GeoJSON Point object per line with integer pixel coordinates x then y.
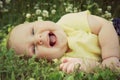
{"type": "Point", "coordinates": [13, 67]}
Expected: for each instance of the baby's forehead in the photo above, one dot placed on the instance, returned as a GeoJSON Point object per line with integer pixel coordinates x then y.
{"type": "Point", "coordinates": [19, 30]}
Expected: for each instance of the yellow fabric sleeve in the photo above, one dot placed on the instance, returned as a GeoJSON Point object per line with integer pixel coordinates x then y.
{"type": "Point", "coordinates": [75, 21]}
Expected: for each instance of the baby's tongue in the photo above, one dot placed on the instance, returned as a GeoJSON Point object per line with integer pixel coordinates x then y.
{"type": "Point", "coordinates": [52, 40]}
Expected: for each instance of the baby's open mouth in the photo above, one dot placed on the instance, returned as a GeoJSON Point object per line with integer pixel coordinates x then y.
{"type": "Point", "coordinates": [52, 39]}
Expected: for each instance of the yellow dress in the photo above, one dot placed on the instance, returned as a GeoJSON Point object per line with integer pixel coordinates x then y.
{"type": "Point", "coordinates": [81, 41]}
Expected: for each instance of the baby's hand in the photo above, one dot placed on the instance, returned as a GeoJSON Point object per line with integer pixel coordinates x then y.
{"type": "Point", "coordinates": [68, 64]}
{"type": "Point", "coordinates": [112, 63]}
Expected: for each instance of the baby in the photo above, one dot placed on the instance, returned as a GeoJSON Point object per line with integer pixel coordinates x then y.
{"type": "Point", "coordinates": [77, 38]}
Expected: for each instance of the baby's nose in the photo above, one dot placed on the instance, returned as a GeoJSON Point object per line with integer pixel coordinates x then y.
{"type": "Point", "coordinates": [39, 40]}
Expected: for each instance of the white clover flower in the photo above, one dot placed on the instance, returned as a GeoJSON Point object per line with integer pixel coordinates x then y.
{"type": "Point", "coordinates": [69, 8]}
{"type": "Point", "coordinates": [70, 5]}
{"type": "Point", "coordinates": [38, 11]}
{"type": "Point", "coordinates": [31, 79]}
{"type": "Point", "coordinates": [39, 18]}
{"type": "Point", "coordinates": [75, 10]}
{"type": "Point", "coordinates": [100, 10]}
{"type": "Point", "coordinates": [7, 1]}
{"type": "Point", "coordinates": [54, 6]}
{"type": "Point", "coordinates": [64, 4]}
{"type": "Point", "coordinates": [109, 8]}
{"type": "Point", "coordinates": [55, 60]}
{"type": "Point", "coordinates": [1, 4]}
{"type": "Point", "coordinates": [28, 15]}
{"type": "Point", "coordinates": [5, 10]}
{"type": "Point", "coordinates": [45, 13]}
{"type": "Point", "coordinates": [103, 15]}
{"type": "Point", "coordinates": [79, 10]}
{"type": "Point", "coordinates": [36, 6]}
{"type": "Point", "coordinates": [106, 12]}
{"type": "Point", "coordinates": [108, 15]}
{"type": "Point", "coordinates": [53, 11]}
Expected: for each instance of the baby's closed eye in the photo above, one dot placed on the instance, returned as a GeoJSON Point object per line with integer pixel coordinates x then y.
{"type": "Point", "coordinates": [33, 45]}
{"type": "Point", "coordinates": [33, 49]}
{"type": "Point", "coordinates": [33, 31]}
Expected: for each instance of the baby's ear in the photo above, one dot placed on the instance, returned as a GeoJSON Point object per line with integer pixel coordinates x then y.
{"type": "Point", "coordinates": [7, 43]}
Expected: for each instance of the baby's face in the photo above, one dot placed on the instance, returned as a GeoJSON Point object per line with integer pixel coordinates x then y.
{"type": "Point", "coordinates": [44, 39]}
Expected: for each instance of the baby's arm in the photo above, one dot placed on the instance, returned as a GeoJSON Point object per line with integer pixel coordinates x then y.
{"type": "Point", "coordinates": [108, 39]}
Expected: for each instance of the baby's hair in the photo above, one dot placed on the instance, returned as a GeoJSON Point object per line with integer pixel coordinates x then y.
{"type": "Point", "coordinates": [8, 43]}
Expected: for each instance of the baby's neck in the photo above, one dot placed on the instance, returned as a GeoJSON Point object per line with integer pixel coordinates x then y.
{"type": "Point", "coordinates": [68, 50]}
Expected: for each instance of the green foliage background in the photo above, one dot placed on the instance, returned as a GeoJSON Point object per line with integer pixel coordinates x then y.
{"type": "Point", "coordinates": [14, 12]}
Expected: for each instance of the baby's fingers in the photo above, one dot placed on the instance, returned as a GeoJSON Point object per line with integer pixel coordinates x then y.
{"type": "Point", "coordinates": [70, 68]}
{"type": "Point", "coordinates": [67, 67]}
{"type": "Point", "coordinates": [118, 65]}
{"type": "Point", "coordinates": [115, 67]}
{"type": "Point", "coordinates": [64, 66]}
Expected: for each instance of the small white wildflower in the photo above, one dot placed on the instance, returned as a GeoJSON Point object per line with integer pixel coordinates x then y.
{"type": "Point", "coordinates": [100, 10]}
{"type": "Point", "coordinates": [106, 12]}
{"type": "Point", "coordinates": [79, 10]}
{"type": "Point", "coordinates": [5, 10]}
{"type": "Point", "coordinates": [45, 13]}
{"type": "Point", "coordinates": [39, 18]}
{"type": "Point", "coordinates": [75, 10]}
{"type": "Point", "coordinates": [55, 60]}
{"type": "Point", "coordinates": [36, 6]}
{"type": "Point", "coordinates": [64, 4]}
{"type": "Point", "coordinates": [28, 15]}
{"type": "Point", "coordinates": [53, 11]}
{"type": "Point", "coordinates": [54, 6]}
{"type": "Point", "coordinates": [31, 79]}
{"type": "Point", "coordinates": [69, 8]}
{"type": "Point", "coordinates": [103, 15]}
{"type": "Point", "coordinates": [38, 11]}
{"type": "Point", "coordinates": [70, 5]}
{"type": "Point", "coordinates": [108, 15]}
{"type": "Point", "coordinates": [108, 8]}
{"type": "Point", "coordinates": [26, 21]}
{"type": "Point", "coordinates": [7, 1]}
{"type": "Point", "coordinates": [46, 4]}
{"type": "Point", "coordinates": [1, 4]}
